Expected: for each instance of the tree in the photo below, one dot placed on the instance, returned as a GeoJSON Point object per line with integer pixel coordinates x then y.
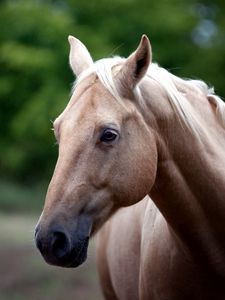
{"type": "Point", "coordinates": [187, 37]}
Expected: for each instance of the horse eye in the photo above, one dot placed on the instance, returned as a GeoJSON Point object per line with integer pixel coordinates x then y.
{"type": "Point", "coordinates": [108, 135]}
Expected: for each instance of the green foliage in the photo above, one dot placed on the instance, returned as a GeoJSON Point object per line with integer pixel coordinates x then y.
{"type": "Point", "coordinates": [34, 84]}
{"type": "Point", "coordinates": [35, 79]}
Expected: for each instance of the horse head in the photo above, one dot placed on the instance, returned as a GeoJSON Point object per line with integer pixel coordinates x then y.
{"type": "Point", "coordinates": [107, 154]}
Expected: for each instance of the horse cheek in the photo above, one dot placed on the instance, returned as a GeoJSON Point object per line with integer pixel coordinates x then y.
{"type": "Point", "coordinates": [136, 175]}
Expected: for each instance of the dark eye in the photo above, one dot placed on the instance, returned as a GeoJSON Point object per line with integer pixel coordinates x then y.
{"type": "Point", "coordinates": [109, 135]}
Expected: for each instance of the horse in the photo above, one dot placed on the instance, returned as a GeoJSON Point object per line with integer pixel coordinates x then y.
{"type": "Point", "coordinates": [141, 157]}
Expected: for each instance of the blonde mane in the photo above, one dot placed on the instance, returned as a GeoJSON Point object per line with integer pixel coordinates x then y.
{"type": "Point", "coordinates": [107, 67]}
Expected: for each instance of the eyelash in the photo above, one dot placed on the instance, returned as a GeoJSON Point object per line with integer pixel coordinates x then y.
{"type": "Point", "coordinates": [109, 136]}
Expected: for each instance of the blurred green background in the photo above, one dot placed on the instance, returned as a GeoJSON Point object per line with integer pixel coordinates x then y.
{"type": "Point", "coordinates": [187, 37]}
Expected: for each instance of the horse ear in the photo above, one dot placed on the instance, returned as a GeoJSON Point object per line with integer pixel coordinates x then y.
{"type": "Point", "coordinates": [79, 58]}
{"type": "Point", "coordinates": [136, 65]}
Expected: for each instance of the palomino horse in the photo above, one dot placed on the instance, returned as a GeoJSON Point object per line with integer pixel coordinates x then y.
{"type": "Point", "coordinates": [132, 129]}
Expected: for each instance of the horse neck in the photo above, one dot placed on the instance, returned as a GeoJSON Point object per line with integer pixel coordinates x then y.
{"type": "Point", "coordinates": [189, 188]}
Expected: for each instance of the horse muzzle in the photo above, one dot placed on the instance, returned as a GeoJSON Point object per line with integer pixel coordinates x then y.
{"type": "Point", "coordinates": [64, 245]}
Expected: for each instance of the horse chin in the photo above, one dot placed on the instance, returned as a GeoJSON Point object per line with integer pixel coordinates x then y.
{"type": "Point", "coordinates": [81, 256]}
{"type": "Point", "coordinates": [77, 257]}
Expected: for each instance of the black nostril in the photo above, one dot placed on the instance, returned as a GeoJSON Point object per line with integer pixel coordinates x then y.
{"type": "Point", "coordinates": [60, 245]}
